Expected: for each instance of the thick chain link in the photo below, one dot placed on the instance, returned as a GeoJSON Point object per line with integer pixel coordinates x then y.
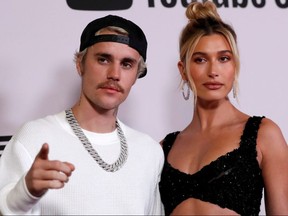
{"type": "Point", "coordinates": [86, 143]}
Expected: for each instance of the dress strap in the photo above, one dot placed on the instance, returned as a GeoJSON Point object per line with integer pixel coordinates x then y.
{"type": "Point", "coordinates": [249, 136]}
{"type": "Point", "coordinates": [168, 142]}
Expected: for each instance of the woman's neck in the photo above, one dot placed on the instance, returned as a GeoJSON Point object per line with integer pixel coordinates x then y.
{"type": "Point", "coordinates": [213, 114]}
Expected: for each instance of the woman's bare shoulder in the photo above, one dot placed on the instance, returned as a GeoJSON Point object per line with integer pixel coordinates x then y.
{"type": "Point", "coordinates": [270, 135]}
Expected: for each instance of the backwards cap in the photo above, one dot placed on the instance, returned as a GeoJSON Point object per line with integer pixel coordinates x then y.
{"type": "Point", "coordinates": [136, 38]}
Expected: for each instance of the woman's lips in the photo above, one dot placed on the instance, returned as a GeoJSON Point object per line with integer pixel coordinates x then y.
{"type": "Point", "coordinates": [213, 85]}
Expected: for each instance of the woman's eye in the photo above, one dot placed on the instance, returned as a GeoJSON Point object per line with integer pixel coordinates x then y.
{"type": "Point", "coordinates": [224, 58]}
{"type": "Point", "coordinates": [199, 60]}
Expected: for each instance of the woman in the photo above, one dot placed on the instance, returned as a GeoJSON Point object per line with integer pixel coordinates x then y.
{"type": "Point", "coordinates": [220, 163]}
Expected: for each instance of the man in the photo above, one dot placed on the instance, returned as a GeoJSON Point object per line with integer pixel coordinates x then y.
{"type": "Point", "coordinates": [111, 168]}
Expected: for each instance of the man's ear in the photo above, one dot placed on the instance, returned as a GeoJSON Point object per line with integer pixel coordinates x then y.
{"type": "Point", "coordinates": [181, 68]}
{"type": "Point", "coordinates": [79, 67]}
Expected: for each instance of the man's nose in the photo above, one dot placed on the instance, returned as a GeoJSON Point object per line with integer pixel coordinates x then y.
{"type": "Point", "coordinates": [114, 72]}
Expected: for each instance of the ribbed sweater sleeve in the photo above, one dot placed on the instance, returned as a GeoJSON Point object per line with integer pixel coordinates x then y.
{"type": "Point", "coordinates": [14, 196]}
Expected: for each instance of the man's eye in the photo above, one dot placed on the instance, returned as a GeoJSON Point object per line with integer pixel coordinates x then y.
{"type": "Point", "coordinates": [102, 60]}
{"type": "Point", "coordinates": [127, 65]}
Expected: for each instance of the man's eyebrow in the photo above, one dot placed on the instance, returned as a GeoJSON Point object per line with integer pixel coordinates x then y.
{"type": "Point", "coordinates": [106, 55]}
{"type": "Point", "coordinates": [128, 59]}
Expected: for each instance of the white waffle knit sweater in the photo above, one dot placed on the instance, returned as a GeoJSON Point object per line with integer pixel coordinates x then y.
{"type": "Point", "coordinates": [132, 190]}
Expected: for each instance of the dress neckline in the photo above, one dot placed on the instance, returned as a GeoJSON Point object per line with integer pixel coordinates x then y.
{"type": "Point", "coordinates": [227, 154]}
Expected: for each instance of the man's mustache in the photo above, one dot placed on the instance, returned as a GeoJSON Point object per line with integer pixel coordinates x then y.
{"type": "Point", "coordinates": [111, 84]}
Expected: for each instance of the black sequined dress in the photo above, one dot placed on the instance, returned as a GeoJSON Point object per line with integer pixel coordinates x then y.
{"type": "Point", "coordinates": [232, 181]}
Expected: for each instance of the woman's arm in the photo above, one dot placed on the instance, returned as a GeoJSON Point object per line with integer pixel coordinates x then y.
{"type": "Point", "coordinates": [274, 164]}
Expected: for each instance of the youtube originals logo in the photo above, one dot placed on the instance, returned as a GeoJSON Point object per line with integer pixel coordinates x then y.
{"type": "Point", "coordinates": [100, 5]}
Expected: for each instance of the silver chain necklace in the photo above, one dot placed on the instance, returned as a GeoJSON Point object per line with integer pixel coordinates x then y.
{"type": "Point", "coordinates": [86, 143]}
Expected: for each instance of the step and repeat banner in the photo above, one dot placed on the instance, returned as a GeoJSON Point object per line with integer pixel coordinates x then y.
{"type": "Point", "coordinates": [38, 75]}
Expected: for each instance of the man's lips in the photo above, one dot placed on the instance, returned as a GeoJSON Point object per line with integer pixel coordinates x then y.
{"type": "Point", "coordinates": [109, 86]}
{"type": "Point", "coordinates": [213, 85]}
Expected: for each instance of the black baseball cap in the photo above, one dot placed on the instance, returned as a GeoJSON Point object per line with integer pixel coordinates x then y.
{"type": "Point", "coordinates": [136, 38]}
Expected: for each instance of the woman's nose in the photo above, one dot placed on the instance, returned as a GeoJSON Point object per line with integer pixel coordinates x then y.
{"type": "Point", "coordinates": [213, 71]}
